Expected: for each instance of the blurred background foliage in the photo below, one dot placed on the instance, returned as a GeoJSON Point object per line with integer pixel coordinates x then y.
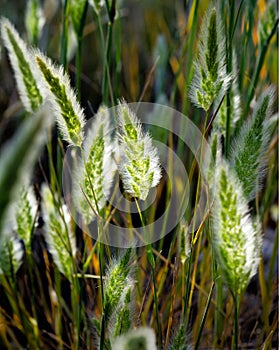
{"type": "Point", "coordinates": [152, 49]}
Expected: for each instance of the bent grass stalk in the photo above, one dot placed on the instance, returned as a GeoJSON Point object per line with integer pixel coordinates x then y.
{"type": "Point", "coordinates": [78, 11]}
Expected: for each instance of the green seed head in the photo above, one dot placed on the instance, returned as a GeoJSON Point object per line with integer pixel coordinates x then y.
{"type": "Point", "coordinates": [23, 65]}
{"type": "Point", "coordinates": [139, 165]}
{"type": "Point", "coordinates": [236, 241]}
{"type": "Point", "coordinates": [247, 156]}
{"type": "Point", "coordinates": [70, 116]}
{"type": "Point", "coordinates": [210, 77]}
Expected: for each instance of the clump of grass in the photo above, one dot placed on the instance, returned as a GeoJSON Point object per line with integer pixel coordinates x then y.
{"type": "Point", "coordinates": [142, 289]}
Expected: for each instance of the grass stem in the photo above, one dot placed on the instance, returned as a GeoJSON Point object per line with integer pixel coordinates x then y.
{"type": "Point", "coordinates": [151, 260]}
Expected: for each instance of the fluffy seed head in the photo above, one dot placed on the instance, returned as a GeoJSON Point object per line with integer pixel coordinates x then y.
{"type": "Point", "coordinates": [11, 254]}
{"type": "Point", "coordinates": [247, 154]}
{"type": "Point", "coordinates": [236, 239]}
{"type": "Point", "coordinates": [69, 114]}
{"type": "Point", "coordinates": [122, 316]}
{"type": "Point", "coordinates": [25, 212]}
{"type": "Point", "coordinates": [210, 78]}
{"type": "Point", "coordinates": [58, 233]}
{"type": "Point", "coordinates": [142, 338]}
{"type": "Point", "coordinates": [94, 175]}
{"type": "Point", "coordinates": [117, 282]}
{"type": "Point", "coordinates": [183, 242]}
{"type": "Point", "coordinates": [139, 164]}
{"type": "Point", "coordinates": [26, 72]}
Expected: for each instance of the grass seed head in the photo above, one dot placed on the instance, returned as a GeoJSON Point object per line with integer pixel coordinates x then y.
{"type": "Point", "coordinates": [210, 77]}
{"type": "Point", "coordinates": [59, 236]}
{"type": "Point", "coordinates": [142, 338]}
{"type": "Point", "coordinates": [95, 172]}
{"type": "Point", "coordinates": [248, 150]}
{"type": "Point", "coordinates": [236, 239]}
{"type": "Point", "coordinates": [139, 164]}
{"type": "Point", "coordinates": [69, 114]}
{"type": "Point", "coordinates": [24, 67]}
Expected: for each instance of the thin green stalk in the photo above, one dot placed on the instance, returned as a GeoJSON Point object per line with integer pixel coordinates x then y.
{"type": "Point", "coordinates": [79, 68]}
{"type": "Point", "coordinates": [34, 312]}
{"type": "Point", "coordinates": [184, 301]}
{"type": "Point", "coordinates": [63, 60]}
{"type": "Point", "coordinates": [151, 260]}
{"type": "Point", "coordinates": [89, 258]}
{"type": "Point", "coordinates": [218, 325]}
{"type": "Point", "coordinates": [118, 60]}
{"type": "Point", "coordinates": [229, 69]}
{"type": "Point", "coordinates": [156, 302]}
{"type": "Point", "coordinates": [64, 36]}
{"type": "Point", "coordinates": [100, 261]}
{"type": "Point", "coordinates": [231, 31]}
{"type": "Point", "coordinates": [79, 52]}
{"type": "Point", "coordinates": [236, 326]}
{"type": "Point", "coordinates": [76, 310]}
{"type": "Point", "coordinates": [106, 83]}
{"type": "Point", "coordinates": [19, 309]}
{"type": "Point", "coordinates": [273, 261]}
{"type": "Point", "coordinates": [76, 296]}
{"type": "Point", "coordinates": [186, 310]}
{"type": "Point", "coordinates": [246, 40]}
{"type": "Point", "coordinates": [190, 55]}
{"type": "Point", "coordinates": [59, 164]}
{"type": "Point", "coordinates": [58, 310]}
{"type": "Point", "coordinates": [196, 347]}
{"type": "Point", "coordinates": [168, 192]}
{"type": "Point", "coordinates": [106, 68]}
{"type": "Point", "coordinates": [236, 19]}
{"type": "Point", "coordinates": [216, 276]}
{"type": "Point", "coordinates": [106, 80]}
{"type": "Point", "coordinates": [259, 64]}
{"type": "Point", "coordinates": [100, 258]}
